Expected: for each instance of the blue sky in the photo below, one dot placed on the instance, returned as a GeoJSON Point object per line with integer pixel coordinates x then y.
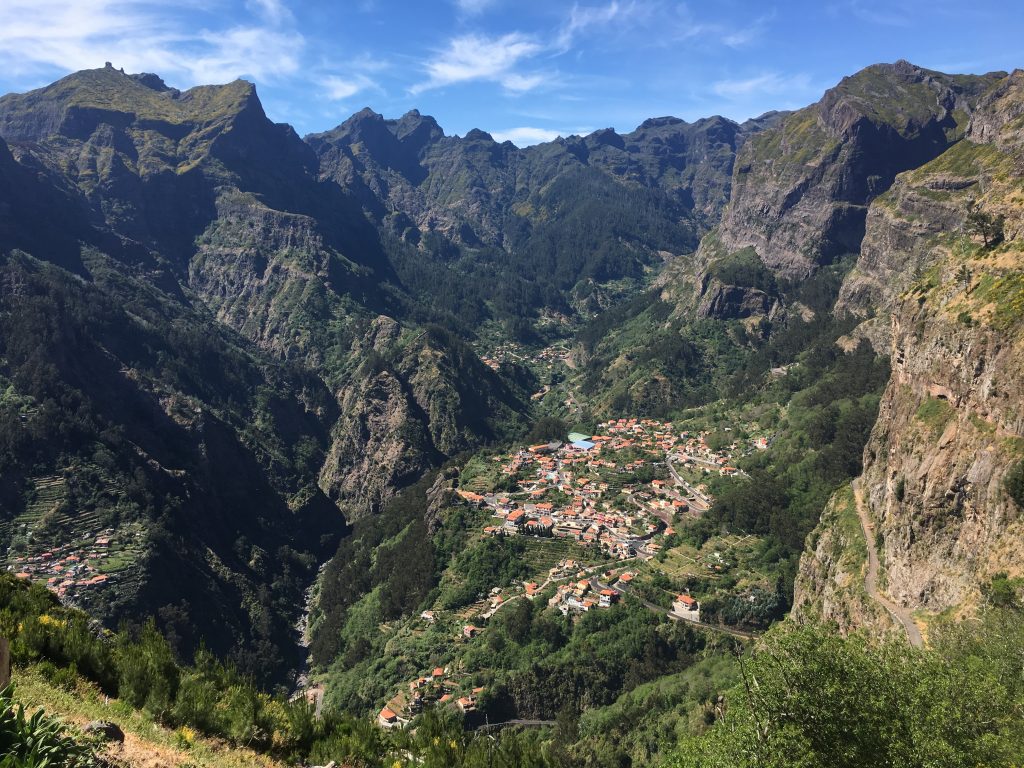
{"type": "Point", "coordinates": [526, 70]}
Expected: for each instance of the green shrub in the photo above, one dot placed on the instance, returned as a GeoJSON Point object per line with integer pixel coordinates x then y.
{"type": "Point", "coordinates": [39, 741]}
{"type": "Point", "coordinates": [1014, 483]}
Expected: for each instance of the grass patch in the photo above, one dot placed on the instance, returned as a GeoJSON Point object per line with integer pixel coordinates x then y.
{"type": "Point", "coordinates": [147, 741]}
{"type": "Point", "coordinates": [934, 413]}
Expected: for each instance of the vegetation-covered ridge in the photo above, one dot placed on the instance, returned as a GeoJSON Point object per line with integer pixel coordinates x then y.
{"type": "Point", "coordinates": [802, 695]}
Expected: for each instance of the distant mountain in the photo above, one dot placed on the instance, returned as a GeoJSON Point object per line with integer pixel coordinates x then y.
{"type": "Point", "coordinates": [551, 222]}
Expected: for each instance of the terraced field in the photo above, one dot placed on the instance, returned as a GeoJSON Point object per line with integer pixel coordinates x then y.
{"type": "Point", "coordinates": [45, 499]}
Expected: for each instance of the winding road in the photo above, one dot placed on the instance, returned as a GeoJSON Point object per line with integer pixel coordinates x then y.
{"type": "Point", "coordinates": [597, 586]}
{"type": "Point", "coordinates": [899, 613]}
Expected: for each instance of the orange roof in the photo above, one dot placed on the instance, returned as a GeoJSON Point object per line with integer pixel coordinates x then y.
{"type": "Point", "coordinates": [387, 714]}
{"type": "Point", "coordinates": [686, 600]}
{"type": "Point", "coordinates": [438, 671]}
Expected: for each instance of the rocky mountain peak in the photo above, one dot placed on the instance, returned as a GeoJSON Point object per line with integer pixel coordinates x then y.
{"type": "Point", "coordinates": [417, 130]}
{"type": "Point", "coordinates": [803, 185]}
{"type": "Point", "coordinates": [606, 137]}
{"type": "Point", "coordinates": [475, 134]}
{"type": "Point", "coordinates": [659, 122]}
{"type": "Point", "coordinates": [153, 81]}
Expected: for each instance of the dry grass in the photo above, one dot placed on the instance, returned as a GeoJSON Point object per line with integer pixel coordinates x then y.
{"type": "Point", "coordinates": [147, 744]}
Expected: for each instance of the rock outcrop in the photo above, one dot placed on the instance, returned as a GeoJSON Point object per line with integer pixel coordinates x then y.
{"type": "Point", "coordinates": [801, 190]}
{"type": "Point", "coordinates": [950, 311]}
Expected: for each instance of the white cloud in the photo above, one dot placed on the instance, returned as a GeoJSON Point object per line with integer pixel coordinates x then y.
{"type": "Point", "coordinates": [523, 83]}
{"type": "Point", "coordinates": [37, 36]}
{"type": "Point", "coordinates": [337, 88]}
{"type": "Point", "coordinates": [473, 7]}
{"type": "Point", "coordinates": [580, 18]}
{"type": "Point", "coordinates": [255, 51]}
{"type": "Point", "coordinates": [741, 36]}
{"type": "Point", "coordinates": [771, 83]}
{"type": "Point", "coordinates": [274, 11]}
{"type": "Point", "coordinates": [476, 57]}
{"type": "Point", "coordinates": [525, 136]}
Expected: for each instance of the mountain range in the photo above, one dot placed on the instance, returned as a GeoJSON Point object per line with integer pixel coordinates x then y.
{"type": "Point", "coordinates": [237, 342]}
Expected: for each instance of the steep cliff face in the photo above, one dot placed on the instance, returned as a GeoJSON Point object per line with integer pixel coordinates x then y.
{"type": "Point", "coordinates": [835, 563]}
{"type": "Point", "coordinates": [418, 398]}
{"type": "Point", "coordinates": [801, 191]}
{"type": "Point", "coordinates": [946, 277]}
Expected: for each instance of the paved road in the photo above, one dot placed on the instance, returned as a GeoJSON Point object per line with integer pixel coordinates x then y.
{"type": "Point", "coordinates": [698, 501]}
{"type": "Point", "coordinates": [522, 723]}
{"type": "Point", "coordinates": [898, 612]}
{"type": "Point", "coordinates": [597, 586]}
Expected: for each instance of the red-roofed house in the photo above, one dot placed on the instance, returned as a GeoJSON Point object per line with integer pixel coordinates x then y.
{"type": "Point", "coordinates": [687, 607]}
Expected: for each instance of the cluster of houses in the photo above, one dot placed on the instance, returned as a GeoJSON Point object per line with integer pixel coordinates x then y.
{"type": "Point", "coordinates": [694, 453]}
{"type": "Point", "coordinates": [66, 570]}
{"type": "Point", "coordinates": [581, 596]}
{"type": "Point", "coordinates": [436, 687]}
{"type": "Point", "coordinates": [509, 351]}
{"type": "Point", "coordinates": [585, 491]}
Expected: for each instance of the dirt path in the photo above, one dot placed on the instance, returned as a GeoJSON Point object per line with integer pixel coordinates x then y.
{"type": "Point", "coordinates": [898, 612]}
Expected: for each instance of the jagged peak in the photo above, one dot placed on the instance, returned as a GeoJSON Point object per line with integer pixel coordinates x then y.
{"type": "Point", "coordinates": [660, 122]}
{"type": "Point", "coordinates": [606, 137]}
{"type": "Point", "coordinates": [366, 113]}
{"type": "Point", "coordinates": [475, 134]}
{"type": "Point", "coordinates": [415, 125]}
{"type": "Point", "coordinates": [151, 81]}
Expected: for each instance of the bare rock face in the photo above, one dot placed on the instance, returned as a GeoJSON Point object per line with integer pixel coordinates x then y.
{"type": "Point", "coordinates": [950, 427]}
{"type": "Point", "coordinates": [380, 443]}
{"type": "Point", "coordinates": [417, 399]}
{"type": "Point", "coordinates": [801, 190]}
{"type": "Point", "coordinates": [830, 580]}
{"type": "Point", "coordinates": [732, 302]}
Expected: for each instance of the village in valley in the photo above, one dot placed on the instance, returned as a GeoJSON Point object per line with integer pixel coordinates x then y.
{"type": "Point", "coordinates": [74, 555]}
{"type": "Point", "coordinates": [615, 497]}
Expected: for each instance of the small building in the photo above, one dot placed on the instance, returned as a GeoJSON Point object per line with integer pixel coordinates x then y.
{"type": "Point", "coordinates": [428, 616]}
{"type": "Point", "coordinates": [608, 598]}
{"type": "Point", "coordinates": [473, 498]}
{"type": "Point", "coordinates": [687, 607]}
{"type": "Point", "coordinates": [469, 631]}
{"type": "Point", "coordinates": [388, 719]}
